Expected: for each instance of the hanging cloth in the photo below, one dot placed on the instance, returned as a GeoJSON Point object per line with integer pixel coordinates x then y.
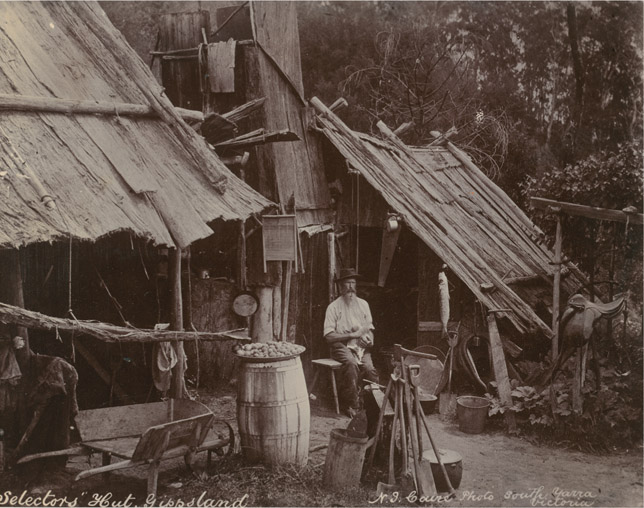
{"type": "Point", "coordinates": [164, 359]}
{"type": "Point", "coordinates": [9, 376]}
{"type": "Point", "coordinates": [221, 66]}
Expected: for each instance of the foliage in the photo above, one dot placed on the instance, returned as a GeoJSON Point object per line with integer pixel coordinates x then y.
{"type": "Point", "coordinates": [500, 72]}
{"type": "Point", "coordinates": [607, 179]}
{"type": "Point", "coordinates": [611, 417]}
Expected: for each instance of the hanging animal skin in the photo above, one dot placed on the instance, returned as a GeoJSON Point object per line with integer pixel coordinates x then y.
{"type": "Point", "coordinates": [443, 300]}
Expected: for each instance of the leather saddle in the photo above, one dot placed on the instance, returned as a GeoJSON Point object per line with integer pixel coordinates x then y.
{"type": "Point", "coordinates": [579, 319]}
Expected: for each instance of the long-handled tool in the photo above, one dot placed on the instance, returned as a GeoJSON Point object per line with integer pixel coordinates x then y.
{"type": "Point", "coordinates": [392, 443]}
{"type": "Point", "coordinates": [414, 375]}
{"type": "Point", "coordinates": [447, 401]}
{"type": "Point", "coordinates": [423, 468]}
{"type": "Point", "coordinates": [387, 488]}
{"type": "Point", "coordinates": [381, 416]}
{"type": "Point", "coordinates": [407, 476]}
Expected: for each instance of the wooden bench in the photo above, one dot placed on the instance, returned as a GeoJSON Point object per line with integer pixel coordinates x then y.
{"type": "Point", "coordinates": [142, 434]}
{"type": "Point", "coordinates": [332, 365]}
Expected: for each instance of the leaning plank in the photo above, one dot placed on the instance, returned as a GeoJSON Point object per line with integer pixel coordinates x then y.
{"type": "Point", "coordinates": [120, 393]}
{"type": "Point", "coordinates": [10, 314]}
{"type": "Point", "coordinates": [259, 138]}
{"type": "Point", "coordinates": [241, 112]}
{"type": "Point", "coordinates": [500, 370]}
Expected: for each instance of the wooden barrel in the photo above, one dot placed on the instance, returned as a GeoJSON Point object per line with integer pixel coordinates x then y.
{"type": "Point", "coordinates": [273, 411]}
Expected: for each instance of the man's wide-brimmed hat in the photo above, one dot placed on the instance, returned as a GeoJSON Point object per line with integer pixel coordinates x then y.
{"type": "Point", "coordinates": [347, 273]}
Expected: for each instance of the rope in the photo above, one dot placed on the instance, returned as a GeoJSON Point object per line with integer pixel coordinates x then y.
{"type": "Point", "coordinates": [69, 299]}
{"type": "Point", "coordinates": [357, 220]}
{"type": "Point", "coordinates": [199, 66]}
{"type": "Point", "coordinates": [353, 209]}
{"type": "Point", "coordinates": [197, 354]}
{"type": "Point", "coordinates": [69, 281]}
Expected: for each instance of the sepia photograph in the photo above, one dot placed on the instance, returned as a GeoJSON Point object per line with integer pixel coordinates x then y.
{"type": "Point", "coordinates": [321, 253]}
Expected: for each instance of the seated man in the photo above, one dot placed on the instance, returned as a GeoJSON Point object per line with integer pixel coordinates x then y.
{"type": "Point", "coordinates": [348, 329]}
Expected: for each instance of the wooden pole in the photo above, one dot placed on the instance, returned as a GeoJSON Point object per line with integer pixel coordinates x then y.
{"type": "Point", "coordinates": [120, 393]}
{"type": "Point", "coordinates": [277, 312]}
{"type": "Point", "coordinates": [12, 102]}
{"type": "Point", "coordinates": [105, 331]}
{"type": "Point", "coordinates": [330, 238]}
{"type": "Point", "coordinates": [177, 388]}
{"type": "Point", "coordinates": [286, 299]}
{"type": "Point", "coordinates": [577, 399]}
{"type": "Point", "coordinates": [556, 290]}
{"type": "Point", "coordinates": [591, 212]}
{"type": "Point", "coordinates": [500, 370]}
{"type": "Point", "coordinates": [11, 290]}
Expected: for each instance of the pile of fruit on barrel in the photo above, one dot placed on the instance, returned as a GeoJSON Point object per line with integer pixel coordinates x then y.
{"type": "Point", "coordinates": [269, 350]}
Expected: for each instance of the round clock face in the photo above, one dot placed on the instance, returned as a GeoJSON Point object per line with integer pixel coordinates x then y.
{"type": "Point", "coordinates": [245, 304]}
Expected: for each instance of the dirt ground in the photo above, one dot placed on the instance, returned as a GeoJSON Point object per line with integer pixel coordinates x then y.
{"type": "Point", "coordinates": [498, 470]}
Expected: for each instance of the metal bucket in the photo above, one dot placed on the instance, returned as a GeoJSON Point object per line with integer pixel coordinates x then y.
{"type": "Point", "coordinates": [453, 463]}
{"type": "Point", "coordinates": [471, 412]}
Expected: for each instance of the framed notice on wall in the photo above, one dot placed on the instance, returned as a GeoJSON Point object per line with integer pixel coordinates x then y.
{"type": "Point", "coordinates": [279, 236]}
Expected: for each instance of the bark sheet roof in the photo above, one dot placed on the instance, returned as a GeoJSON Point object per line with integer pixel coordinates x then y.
{"type": "Point", "coordinates": [457, 211]}
{"type": "Point", "coordinates": [153, 176]}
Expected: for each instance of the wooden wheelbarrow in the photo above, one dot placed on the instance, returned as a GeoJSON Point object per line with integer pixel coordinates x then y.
{"type": "Point", "coordinates": [144, 434]}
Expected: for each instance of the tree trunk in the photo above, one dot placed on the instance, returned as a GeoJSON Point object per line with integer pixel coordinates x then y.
{"type": "Point", "coordinates": [578, 68]}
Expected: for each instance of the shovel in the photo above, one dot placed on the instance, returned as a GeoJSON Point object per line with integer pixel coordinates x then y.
{"type": "Point", "coordinates": [407, 476]}
{"type": "Point", "coordinates": [447, 401]}
{"type": "Point", "coordinates": [423, 468]}
{"type": "Point", "coordinates": [414, 371]}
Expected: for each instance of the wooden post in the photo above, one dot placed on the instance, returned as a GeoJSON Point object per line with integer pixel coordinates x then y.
{"type": "Point", "coordinates": [262, 328]}
{"type": "Point", "coordinates": [106, 460]}
{"type": "Point", "coordinates": [277, 313]}
{"type": "Point", "coordinates": [242, 243]}
{"type": "Point", "coordinates": [153, 477]}
{"type": "Point", "coordinates": [577, 400]}
{"type": "Point", "coordinates": [330, 239]}
{"type": "Point", "coordinates": [556, 290]}
{"type": "Point", "coordinates": [500, 370]}
{"type": "Point", "coordinates": [12, 293]}
{"type": "Point", "coordinates": [286, 299]}
{"type": "Point", "coordinates": [181, 78]}
{"type": "Point", "coordinates": [177, 388]}
{"type": "Point", "coordinates": [611, 293]}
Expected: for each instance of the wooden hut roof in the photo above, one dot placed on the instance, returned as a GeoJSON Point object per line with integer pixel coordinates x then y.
{"type": "Point", "coordinates": [151, 175]}
{"type": "Point", "coordinates": [484, 237]}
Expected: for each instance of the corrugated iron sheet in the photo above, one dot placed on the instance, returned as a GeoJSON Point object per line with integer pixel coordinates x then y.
{"type": "Point", "coordinates": [105, 173]}
{"type": "Point", "coordinates": [459, 213]}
